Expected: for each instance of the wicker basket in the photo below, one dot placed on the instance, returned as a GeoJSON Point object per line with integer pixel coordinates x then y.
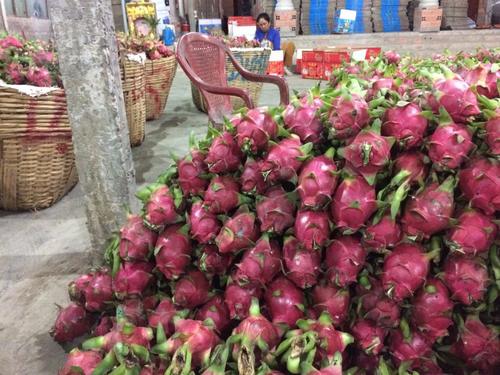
{"type": "Point", "coordinates": [252, 59]}
{"type": "Point", "coordinates": [159, 75]}
{"type": "Point", "coordinates": [37, 164]}
{"type": "Point", "coordinates": [134, 95]}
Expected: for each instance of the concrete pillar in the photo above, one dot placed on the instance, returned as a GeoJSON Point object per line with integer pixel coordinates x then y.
{"type": "Point", "coordinates": [85, 39]}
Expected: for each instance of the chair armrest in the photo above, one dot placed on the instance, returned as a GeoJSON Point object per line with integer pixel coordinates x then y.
{"type": "Point", "coordinates": [232, 91]}
{"type": "Point", "coordinates": [278, 81]}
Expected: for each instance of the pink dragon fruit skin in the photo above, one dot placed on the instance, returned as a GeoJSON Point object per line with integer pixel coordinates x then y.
{"type": "Point", "coordinates": [15, 73]}
{"type": "Point", "coordinates": [492, 128]}
{"type": "Point", "coordinates": [392, 57]}
{"type": "Point", "coordinates": [42, 58]}
{"type": "Point", "coordinates": [10, 41]}
{"type": "Point", "coordinates": [333, 300]}
{"type": "Point", "coordinates": [312, 229]}
{"type": "Point", "coordinates": [216, 310]}
{"type": "Point", "coordinates": [190, 168]}
{"type": "Point", "coordinates": [204, 225]}
{"type": "Point", "coordinates": [132, 279]}
{"type": "Point", "coordinates": [478, 345]}
{"type": "Point", "coordinates": [317, 182]}
{"type": "Point", "coordinates": [161, 208]}
{"type": "Point", "coordinates": [368, 336]}
{"type": "Point", "coordinates": [163, 314]}
{"type": "Point", "coordinates": [450, 145]}
{"type": "Point", "coordinates": [284, 160]}
{"type": "Point", "coordinates": [238, 299]}
{"type": "Point", "coordinates": [376, 306]}
{"type": "Point", "coordinates": [457, 98]}
{"type": "Point", "coordinates": [254, 130]}
{"type": "Point", "coordinates": [173, 251]}
{"type": "Point", "coordinates": [349, 114]}
{"type": "Point", "coordinates": [133, 311]}
{"type": "Point", "coordinates": [414, 163]}
{"type": "Point", "coordinates": [414, 350]}
{"type": "Point", "coordinates": [222, 196]}
{"type": "Point", "coordinates": [95, 292]}
{"type": "Point", "coordinates": [71, 322]}
{"type": "Point", "coordinates": [224, 155]}
{"type": "Point", "coordinates": [430, 210]}
{"type": "Point", "coordinates": [406, 124]}
{"type": "Point", "coordinates": [353, 203]}
{"type": "Point", "coordinates": [252, 180]}
{"type": "Point", "coordinates": [212, 262]}
{"type": "Point", "coordinates": [303, 266]}
{"type": "Point", "coordinates": [285, 302]}
{"type": "Point", "coordinates": [302, 118]}
{"type": "Point", "coordinates": [383, 235]}
{"type": "Point", "coordinates": [80, 362]}
{"type": "Point", "coordinates": [466, 278]}
{"type": "Point", "coordinates": [105, 325]}
{"type": "Point", "coordinates": [431, 310]}
{"type": "Point", "coordinates": [480, 184]}
{"type": "Point", "coordinates": [39, 77]}
{"type": "Point", "coordinates": [474, 233]}
{"type": "Point", "coordinates": [261, 263]}
{"type": "Point", "coordinates": [405, 270]}
{"type": "Point", "coordinates": [276, 211]}
{"type": "Point", "coordinates": [345, 257]}
{"type": "Point", "coordinates": [191, 290]}
{"type": "Point", "coordinates": [238, 233]}
{"type": "Point", "coordinates": [136, 240]}
{"type": "Point", "coordinates": [484, 79]}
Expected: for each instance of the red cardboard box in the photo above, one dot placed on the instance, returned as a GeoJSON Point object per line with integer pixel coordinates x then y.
{"type": "Point", "coordinates": [242, 20]}
{"type": "Point", "coordinates": [312, 70]}
{"type": "Point", "coordinates": [328, 70]}
{"type": "Point", "coordinates": [336, 56]}
{"type": "Point", "coordinates": [312, 56]}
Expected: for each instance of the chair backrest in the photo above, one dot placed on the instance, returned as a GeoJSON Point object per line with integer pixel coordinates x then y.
{"type": "Point", "coordinates": [203, 58]}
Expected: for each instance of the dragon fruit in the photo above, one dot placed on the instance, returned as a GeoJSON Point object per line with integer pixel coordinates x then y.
{"type": "Point", "coordinates": [203, 224]}
{"type": "Point", "coordinates": [15, 74]}
{"type": "Point", "coordinates": [94, 290]}
{"type": "Point", "coordinates": [42, 58]}
{"type": "Point", "coordinates": [368, 152]}
{"type": "Point", "coordinates": [345, 257]}
{"type": "Point", "coordinates": [430, 211]}
{"type": "Point", "coordinates": [381, 86]}
{"type": "Point", "coordinates": [285, 302]}
{"type": "Point", "coordinates": [347, 116]}
{"type": "Point", "coordinates": [301, 117]}
{"type": "Point", "coordinates": [39, 77]}
{"type": "Point", "coordinates": [190, 346]}
{"type": "Point", "coordinates": [478, 345]}
{"type": "Point", "coordinates": [368, 336]}
{"type": "Point", "coordinates": [330, 367]}
{"type": "Point", "coordinates": [222, 195]}
{"type": "Point", "coordinates": [431, 310]}
{"type": "Point", "coordinates": [375, 305]}
{"type": "Point", "coordinates": [312, 229]}
{"type": "Point", "coordinates": [191, 170]}
{"type": "Point", "coordinates": [125, 333]}
{"type": "Point", "coordinates": [80, 362]}
{"type": "Point", "coordinates": [252, 180]}
{"type": "Point", "coordinates": [212, 262]}
{"type": "Point", "coordinates": [317, 181]}
{"type": "Point", "coordinates": [163, 314]}
{"type": "Point", "coordinates": [480, 184]}
{"type": "Point", "coordinates": [105, 325]}
{"type": "Point", "coordinates": [133, 311]}
{"type": "Point", "coordinates": [224, 154]}
{"type": "Point", "coordinates": [238, 233]}
{"type": "Point", "coordinates": [275, 210]}
{"type": "Point", "coordinates": [413, 165]}
{"type": "Point", "coordinates": [353, 203]}
{"type": "Point", "coordinates": [334, 301]}
{"type": "Point", "coordinates": [255, 129]}
{"type": "Point", "coordinates": [385, 234]}
{"type": "Point", "coordinates": [252, 338]}
{"type": "Point", "coordinates": [238, 298]}
{"type": "Point", "coordinates": [161, 204]}
{"type": "Point", "coordinates": [261, 263]}
{"type": "Point", "coordinates": [191, 290]}
{"type": "Point", "coordinates": [216, 310]}
{"type": "Point", "coordinates": [10, 41]}
{"type": "Point", "coordinates": [406, 124]}
{"type": "Point", "coordinates": [474, 233]}
{"type": "Point", "coordinates": [467, 279]}
{"type": "Point", "coordinates": [303, 266]}
{"type": "Point", "coordinates": [173, 251]}
{"type": "Point", "coordinates": [405, 270]}
{"type": "Point", "coordinates": [414, 348]}
{"type": "Point", "coordinates": [71, 322]}
{"type": "Point", "coordinates": [492, 128]}
{"type": "Point", "coordinates": [132, 279]}
{"type": "Point", "coordinates": [392, 57]}
{"type": "Point", "coordinates": [449, 145]}
{"type": "Point", "coordinates": [285, 159]}
{"type": "Point", "coordinates": [484, 78]}
{"type": "Point", "coordinates": [136, 240]}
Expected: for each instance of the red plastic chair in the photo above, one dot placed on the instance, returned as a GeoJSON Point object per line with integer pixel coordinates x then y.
{"type": "Point", "coordinates": [203, 59]}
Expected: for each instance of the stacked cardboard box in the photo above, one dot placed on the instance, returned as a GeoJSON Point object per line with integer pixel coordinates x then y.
{"type": "Point", "coordinates": [455, 14]}
{"type": "Point", "coordinates": [363, 8]}
{"type": "Point", "coordinates": [390, 15]}
{"type": "Point", "coordinates": [427, 19]}
{"type": "Point", "coordinates": [267, 6]}
{"type": "Point", "coordinates": [286, 21]}
{"type": "Point", "coordinates": [316, 16]}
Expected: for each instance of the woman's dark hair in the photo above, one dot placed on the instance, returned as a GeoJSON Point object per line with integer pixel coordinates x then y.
{"type": "Point", "coordinates": [265, 16]}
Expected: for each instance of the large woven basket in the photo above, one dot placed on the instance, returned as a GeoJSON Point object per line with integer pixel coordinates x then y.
{"type": "Point", "coordinates": [159, 75]}
{"type": "Point", "coordinates": [134, 95]}
{"type": "Point", "coordinates": [252, 59]}
{"type": "Point", "coordinates": [37, 164]}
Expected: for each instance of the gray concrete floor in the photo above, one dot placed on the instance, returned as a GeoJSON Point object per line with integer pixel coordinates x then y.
{"type": "Point", "coordinates": [41, 252]}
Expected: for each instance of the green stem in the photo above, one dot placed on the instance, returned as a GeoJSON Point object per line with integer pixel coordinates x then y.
{"type": "Point", "coordinates": [108, 362]}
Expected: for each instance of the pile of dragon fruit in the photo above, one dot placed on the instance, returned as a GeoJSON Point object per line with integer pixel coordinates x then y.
{"type": "Point", "coordinates": [28, 62]}
{"type": "Point", "coordinates": [351, 232]}
{"type": "Point", "coordinates": [153, 48]}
